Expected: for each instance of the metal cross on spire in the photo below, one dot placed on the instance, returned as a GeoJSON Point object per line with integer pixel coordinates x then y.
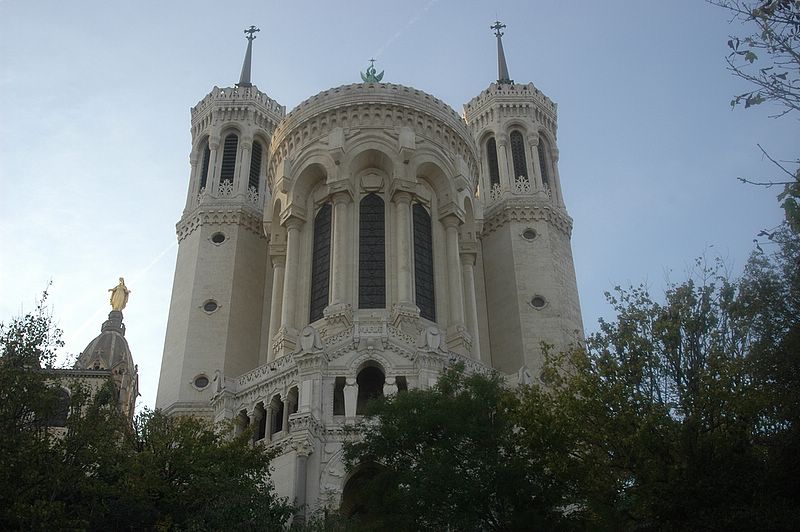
{"type": "Point", "coordinates": [251, 32]}
{"type": "Point", "coordinates": [244, 79]}
{"type": "Point", "coordinates": [502, 67]}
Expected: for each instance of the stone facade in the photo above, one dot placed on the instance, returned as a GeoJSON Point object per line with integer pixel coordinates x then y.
{"type": "Point", "coordinates": [286, 315]}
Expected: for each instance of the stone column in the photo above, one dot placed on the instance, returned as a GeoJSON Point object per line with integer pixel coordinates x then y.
{"type": "Point", "coordinates": [194, 173]}
{"type": "Point", "coordinates": [404, 249]}
{"type": "Point", "coordinates": [470, 302]}
{"type": "Point", "coordinates": [502, 161]}
{"type": "Point", "coordinates": [278, 267]}
{"type": "Point", "coordinates": [289, 304]}
{"type": "Point", "coordinates": [303, 451]}
{"type": "Point", "coordinates": [389, 386]}
{"type": "Point", "coordinates": [339, 249]}
{"type": "Point", "coordinates": [556, 177]}
{"type": "Point", "coordinates": [285, 420]}
{"type": "Point", "coordinates": [211, 179]}
{"type": "Point", "coordinates": [456, 306]}
{"type": "Point", "coordinates": [533, 150]}
{"type": "Point", "coordinates": [244, 166]}
{"type": "Point", "coordinates": [350, 397]}
{"type": "Point", "coordinates": [269, 411]}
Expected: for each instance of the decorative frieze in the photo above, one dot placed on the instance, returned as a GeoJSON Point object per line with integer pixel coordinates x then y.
{"type": "Point", "coordinates": [219, 214]}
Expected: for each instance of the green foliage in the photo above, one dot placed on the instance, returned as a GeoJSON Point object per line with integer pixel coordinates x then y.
{"type": "Point", "coordinates": [452, 458]}
{"type": "Point", "coordinates": [102, 473]}
{"type": "Point", "coordinates": [768, 58]}
{"type": "Point", "coordinates": [681, 414]}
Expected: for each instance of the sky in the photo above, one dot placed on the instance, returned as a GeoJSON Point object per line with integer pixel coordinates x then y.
{"type": "Point", "coordinates": [94, 131]}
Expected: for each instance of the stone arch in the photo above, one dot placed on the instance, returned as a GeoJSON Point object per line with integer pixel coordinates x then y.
{"type": "Point", "coordinates": [374, 152]}
{"type": "Point", "coordinates": [355, 492]}
{"type": "Point", "coordinates": [437, 176]}
{"type": "Point", "coordinates": [310, 176]}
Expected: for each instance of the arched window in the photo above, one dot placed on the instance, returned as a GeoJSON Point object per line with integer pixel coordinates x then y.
{"type": "Point", "coordinates": [544, 159]}
{"type": "Point", "coordinates": [277, 414]}
{"type": "Point", "coordinates": [60, 409]}
{"type": "Point", "coordinates": [423, 262]}
{"type": "Point", "coordinates": [371, 253]}
{"type": "Point", "coordinates": [229, 158]}
{"type": "Point", "coordinates": [320, 262]}
{"type": "Point", "coordinates": [255, 166]}
{"type": "Point", "coordinates": [518, 155]}
{"type": "Point", "coordinates": [204, 168]}
{"type": "Point", "coordinates": [491, 157]}
{"type": "Point", "coordinates": [370, 382]}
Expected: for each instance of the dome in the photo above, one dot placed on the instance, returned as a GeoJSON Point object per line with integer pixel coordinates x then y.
{"type": "Point", "coordinates": [109, 349]}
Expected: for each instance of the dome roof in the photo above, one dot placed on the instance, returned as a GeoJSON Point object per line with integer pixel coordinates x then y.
{"type": "Point", "coordinates": [109, 349]}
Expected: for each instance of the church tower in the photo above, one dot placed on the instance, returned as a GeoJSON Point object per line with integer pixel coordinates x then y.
{"type": "Point", "coordinates": [216, 311]}
{"type": "Point", "coordinates": [531, 290]}
{"type": "Point", "coordinates": [358, 247]}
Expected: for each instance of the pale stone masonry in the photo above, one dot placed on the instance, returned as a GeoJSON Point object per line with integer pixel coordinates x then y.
{"type": "Point", "coordinates": [358, 246]}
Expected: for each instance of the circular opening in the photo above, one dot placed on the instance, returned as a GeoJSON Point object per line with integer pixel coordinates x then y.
{"type": "Point", "coordinates": [538, 302]}
{"type": "Point", "coordinates": [201, 381]}
{"type": "Point", "coordinates": [529, 234]}
{"type": "Point", "coordinates": [218, 238]}
{"type": "Point", "coordinates": [210, 305]}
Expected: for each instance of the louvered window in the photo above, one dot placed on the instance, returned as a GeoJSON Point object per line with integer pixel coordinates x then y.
{"type": "Point", "coordinates": [423, 263]}
{"type": "Point", "coordinates": [229, 158]}
{"type": "Point", "coordinates": [320, 262]}
{"type": "Point", "coordinates": [543, 149]}
{"type": "Point", "coordinates": [204, 169]}
{"type": "Point", "coordinates": [518, 155]}
{"type": "Point", "coordinates": [255, 166]}
{"type": "Point", "coordinates": [491, 157]}
{"type": "Point", "coordinates": [371, 253]}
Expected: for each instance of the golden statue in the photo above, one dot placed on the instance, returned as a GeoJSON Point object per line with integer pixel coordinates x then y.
{"type": "Point", "coordinates": [119, 295]}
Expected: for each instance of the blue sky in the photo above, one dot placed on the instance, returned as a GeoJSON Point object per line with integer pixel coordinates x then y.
{"type": "Point", "coordinates": [94, 130]}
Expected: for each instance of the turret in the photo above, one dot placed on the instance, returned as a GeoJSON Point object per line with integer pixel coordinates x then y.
{"type": "Point", "coordinates": [216, 313]}
{"type": "Point", "coordinates": [531, 291]}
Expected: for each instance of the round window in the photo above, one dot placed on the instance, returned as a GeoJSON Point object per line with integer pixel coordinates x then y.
{"type": "Point", "coordinates": [538, 302]}
{"type": "Point", "coordinates": [210, 306]}
{"type": "Point", "coordinates": [201, 381]}
{"type": "Point", "coordinates": [218, 238]}
{"type": "Point", "coordinates": [529, 234]}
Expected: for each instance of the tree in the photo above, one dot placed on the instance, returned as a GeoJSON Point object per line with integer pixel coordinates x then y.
{"type": "Point", "coordinates": [450, 458]}
{"type": "Point", "coordinates": [768, 58]}
{"type": "Point", "coordinates": [103, 473]}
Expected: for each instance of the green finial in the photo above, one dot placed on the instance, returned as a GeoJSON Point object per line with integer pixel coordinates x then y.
{"type": "Point", "coordinates": [371, 76]}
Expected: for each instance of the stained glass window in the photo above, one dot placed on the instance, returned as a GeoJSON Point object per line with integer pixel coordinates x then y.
{"type": "Point", "coordinates": [518, 155]}
{"type": "Point", "coordinates": [204, 170]}
{"type": "Point", "coordinates": [229, 158]}
{"type": "Point", "coordinates": [255, 166]}
{"type": "Point", "coordinates": [423, 263]}
{"type": "Point", "coordinates": [320, 262]}
{"type": "Point", "coordinates": [371, 253]}
{"type": "Point", "coordinates": [491, 156]}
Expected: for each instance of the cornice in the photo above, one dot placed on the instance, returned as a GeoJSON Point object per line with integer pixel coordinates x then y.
{"type": "Point", "coordinates": [219, 214]}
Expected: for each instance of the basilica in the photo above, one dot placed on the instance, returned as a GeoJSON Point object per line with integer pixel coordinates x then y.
{"type": "Point", "coordinates": [356, 247]}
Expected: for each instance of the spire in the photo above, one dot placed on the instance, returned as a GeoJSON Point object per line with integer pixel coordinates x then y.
{"type": "Point", "coordinates": [244, 79]}
{"type": "Point", "coordinates": [502, 68]}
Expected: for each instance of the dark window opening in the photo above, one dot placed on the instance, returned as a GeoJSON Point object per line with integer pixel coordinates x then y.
{"type": "Point", "coordinates": [255, 166]}
{"type": "Point", "coordinates": [277, 415]}
{"type": "Point", "coordinates": [518, 155]}
{"type": "Point", "coordinates": [292, 400]}
{"type": "Point", "coordinates": [229, 158]}
{"type": "Point", "coordinates": [423, 263]}
{"type": "Point", "coordinates": [261, 430]}
{"type": "Point", "coordinates": [491, 157]}
{"type": "Point", "coordinates": [371, 253]}
{"type": "Point", "coordinates": [402, 384]}
{"type": "Point", "coordinates": [370, 386]}
{"type": "Point", "coordinates": [320, 263]}
{"type": "Point", "coordinates": [358, 492]}
{"type": "Point", "coordinates": [60, 409]}
{"type": "Point", "coordinates": [542, 149]}
{"type": "Point", "coordinates": [204, 170]}
{"type": "Point", "coordinates": [338, 396]}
